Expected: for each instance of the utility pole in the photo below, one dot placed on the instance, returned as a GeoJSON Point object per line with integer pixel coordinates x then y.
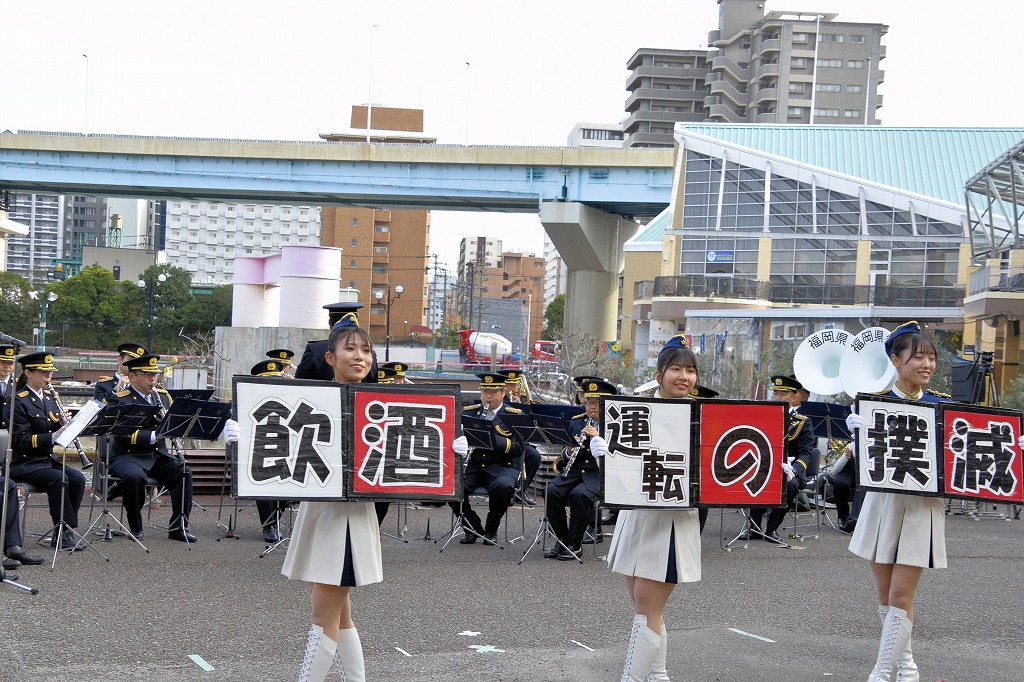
{"type": "Point", "coordinates": [468, 317]}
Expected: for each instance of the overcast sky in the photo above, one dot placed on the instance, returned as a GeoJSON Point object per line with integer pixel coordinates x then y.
{"type": "Point", "coordinates": [291, 70]}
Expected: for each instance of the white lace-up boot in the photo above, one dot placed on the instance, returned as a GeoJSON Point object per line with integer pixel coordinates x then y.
{"type": "Point", "coordinates": [659, 672]}
{"type": "Point", "coordinates": [644, 645]}
{"type": "Point", "coordinates": [319, 656]}
{"type": "Point", "coordinates": [350, 656]}
{"type": "Point", "coordinates": [906, 669]}
{"type": "Point", "coordinates": [895, 636]}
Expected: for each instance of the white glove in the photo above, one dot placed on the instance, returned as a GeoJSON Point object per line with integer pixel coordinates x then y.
{"type": "Point", "coordinates": [230, 431]}
{"type": "Point", "coordinates": [1020, 442]}
{"type": "Point", "coordinates": [598, 446]}
{"type": "Point", "coordinates": [788, 468]}
{"type": "Point", "coordinates": [460, 446]}
{"type": "Point", "coordinates": [854, 420]}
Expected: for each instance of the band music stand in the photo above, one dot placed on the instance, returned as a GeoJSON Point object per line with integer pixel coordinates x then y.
{"type": "Point", "coordinates": [828, 420]}
{"type": "Point", "coordinates": [116, 420]}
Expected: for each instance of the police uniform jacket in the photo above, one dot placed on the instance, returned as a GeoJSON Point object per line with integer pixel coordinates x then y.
{"type": "Point", "coordinates": [800, 443]}
{"type": "Point", "coordinates": [506, 451]}
{"type": "Point", "coordinates": [5, 395]}
{"type": "Point", "coordinates": [313, 364]}
{"type": "Point", "coordinates": [137, 444]}
{"type": "Point", "coordinates": [35, 421]}
{"type": "Point", "coordinates": [585, 468]}
{"type": "Point", "coordinates": [103, 389]}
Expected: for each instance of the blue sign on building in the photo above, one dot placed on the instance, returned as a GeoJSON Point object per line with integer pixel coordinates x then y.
{"type": "Point", "coordinates": [720, 257]}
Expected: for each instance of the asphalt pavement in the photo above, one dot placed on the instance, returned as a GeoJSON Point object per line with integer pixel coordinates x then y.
{"type": "Point", "coordinates": [218, 611]}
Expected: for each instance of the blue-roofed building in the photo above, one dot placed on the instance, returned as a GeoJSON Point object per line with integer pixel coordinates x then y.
{"type": "Point", "coordinates": [776, 231]}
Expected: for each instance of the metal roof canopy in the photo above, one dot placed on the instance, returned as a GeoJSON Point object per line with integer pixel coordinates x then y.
{"type": "Point", "coordinates": [1000, 185]}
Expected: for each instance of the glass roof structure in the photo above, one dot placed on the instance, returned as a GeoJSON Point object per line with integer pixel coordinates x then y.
{"type": "Point", "coordinates": [994, 198]}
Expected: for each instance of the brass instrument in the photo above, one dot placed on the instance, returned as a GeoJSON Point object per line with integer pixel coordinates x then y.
{"type": "Point", "coordinates": [65, 417]}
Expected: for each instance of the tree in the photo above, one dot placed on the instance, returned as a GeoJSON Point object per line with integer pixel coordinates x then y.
{"type": "Point", "coordinates": [95, 308]}
{"type": "Point", "coordinates": [15, 312]}
{"type": "Point", "coordinates": [554, 318]}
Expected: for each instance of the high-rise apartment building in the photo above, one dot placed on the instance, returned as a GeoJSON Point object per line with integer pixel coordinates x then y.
{"type": "Point", "coordinates": [204, 237]}
{"type": "Point", "coordinates": [475, 254]}
{"type": "Point", "coordinates": [555, 272]}
{"type": "Point", "coordinates": [383, 249]}
{"type": "Point", "coordinates": [780, 67]}
{"type": "Point", "coordinates": [595, 135]}
{"type": "Point", "coordinates": [34, 255]}
{"type": "Point", "coordinates": [518, 277]}
{"type": "Point", "coordinates": [85, 224]}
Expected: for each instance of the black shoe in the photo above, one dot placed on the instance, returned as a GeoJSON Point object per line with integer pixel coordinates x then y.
{"type": "Point", "coordinates": [11, 564]}
{"type": "Point", "coordinates": [745, 535]}
{"type": "Point", "coordinates": [609, 517]}
{"type": "Point", "coordinates": [520, 499]}
{"type": "Point", "coordinates": [467, 539]}
{"type": "Point", "coordinates": [270, 535]}
{"type": "Point", "coordinates": [67, 541]}
{"type": "Point", "coordinates": [567, 555]}
{"type": "Point", "coordinates": [18, 554]}
{"type": "Point", "coordinates": [491, 539]}
{"type": "Point", "coordinates": [553, 551]}
{"type": "Point", "coordinates": [772, 536]}
{"type": "Point", "coordinates": [139, 534]}
{"type": "Point", "coordinates": [181, 536]}
{"type": "Point", "coordinates": [114, 491]}
{"type": "Point", "coordinates": [849, 526]}
{"type": "Point", "coordinates": [590, 536]}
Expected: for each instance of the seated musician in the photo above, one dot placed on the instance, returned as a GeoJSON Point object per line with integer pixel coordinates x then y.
{"type": "Point", "coordinates": [108, 386]}
{"type": "Point", "coordinates": [531, 455]}
{"type": "Point", "coordinates": [578, 481]}
{"type": "Point", "coordinates": [14, 555]}
{"type": "Point", "coordinates": [800, 444]}
{"type": "Point", "coordinates": [270, 510]}
{"type": "Point", "coordinates": [283, 358]}
{"type": "Point", "coordinates": [400, 369]}
{"type": "Point", "coordinates": [494, 469]}
{"type": "Point", "coordinates": [141, 454]}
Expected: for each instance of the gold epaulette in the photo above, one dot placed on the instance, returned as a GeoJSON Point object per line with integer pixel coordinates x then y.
{"type": "Point", "coordinates": [581, 415]}
{"type": "Point", "coordinates": [471, 407]}
{"type": "Point", "coordinates": [941, 395]}
{"type": "Point", "coordinates": [161, 390]}
{"type": "Point", "coordinates": [103, 379]}
{"type": "Point", "coordinates": [23, 394]}
{"type": "Point", "coordinates": [885, 392]}
{"type": "Point", "coordinates": [513, 410]}
{"type": "Point", "coordinates": [798, 423]}
{"type": "Point", "coordinates": [123, 394]}
{"type": "Point", "coordinates": [502, 432]}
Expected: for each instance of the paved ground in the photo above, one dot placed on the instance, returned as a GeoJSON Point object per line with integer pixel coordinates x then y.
{"type": "Point", "coordinates": [804, 614]}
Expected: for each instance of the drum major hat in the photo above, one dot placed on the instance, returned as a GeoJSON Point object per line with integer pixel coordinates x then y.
{"type": "Point", "coordinates": [347, 320]}
{"type": "Point", "coordinates": [782, 382]}
{"type": "Point", "coordinates": [41, 362]}
{"type": "Point", "coordinates": [386, 375]}
{"type": "Point", "coordinates": [703, 392]}
{"type": "Point", "coordinates": [492, 381]}
{"type": "Point", "coordinates": [7, 353]}
{"type": "Point", "coordinates": [597, 388]}
{"type": "Point", "coordinates": [677, 341]}
{"type": "Point", "coordinates": [147, 364]}
{"type": "Point", "coordinates": [267, 368]}
{"type": "Point", "coordinates": [132, 349]}
{"type": "Point", "coordinates": [911, 327]}
{"type": "Point", "coordinates": [282, 355]}
{"type": "Point", "coordinates": [399, 367]}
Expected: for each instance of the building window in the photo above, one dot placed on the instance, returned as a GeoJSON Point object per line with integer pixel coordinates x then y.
{"type": "Point", "coordinates": [854, 89]}
{"type": "Point", "coordinates": [355, 221]}
{"type": "Point", "coordinates": [856, 39]}
{"type": "Point", "coordinates": [353, 242]}
{"type": "Point", "coordinates": [351, 284]}
{"type": "Point", "coordinates": [352, 263]}
{"type": "Point", "coordinates": [833, 63]}
{"type": "Point", "coordinates": [798, 63]}
{"type": "Point", "coordinates": [380, 228]}
{"type": "Point", "coordinates": [828, 87]}
{"type": "Point", "coordinates": [855, 64]}
{"type": "Point", "coordinates": [851, 113]}
{"type": "Point", "coordinates": [831, 38]}
{"type": "Point", "coordinates": [384, 249]}
{"type": "Point", "coordinates": [798, 88]}
{"type": "Point", "coordinates": [799, 37]}
{"type": "Point", "coordinates": [826, 112]}
{"type": "Point", "coordinates": [796, 111]}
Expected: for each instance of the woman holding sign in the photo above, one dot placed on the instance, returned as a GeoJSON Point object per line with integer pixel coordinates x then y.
{"type": "Point", "coordinates": [336, 545]}
{"type": "Point", "coordinates": [901, 535]}
{"type": "Point", "coordinates": [656, 549]}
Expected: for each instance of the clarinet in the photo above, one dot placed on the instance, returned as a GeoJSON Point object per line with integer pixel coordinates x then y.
{"type": "Point", "coordinates": [581, 439]}
{"type": "Point", "coordinates": [65, 417]}
{"type": "Point", "coordinates": [176, 447]}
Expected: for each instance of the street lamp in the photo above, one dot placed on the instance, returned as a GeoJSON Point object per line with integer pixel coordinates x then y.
{"type": "Point", "coordinates": [43, 302]}
{"type": "Point", "coordinates": [161, 278]}
{"type": "Point", "coordinates": [379, 295]}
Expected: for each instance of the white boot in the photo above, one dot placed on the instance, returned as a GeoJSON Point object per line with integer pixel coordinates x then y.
{"type": "Point", "coordinates": [895, 636]}
{"type": "Point", "coordinates": [659, 673]}
{"type": "Point", "coordinates": [350, 656]}
{"type": "Point", "coordinates": [319, 656]}
{"type": "Point", "coordinates": [644, 645]}
{"type": "Point", "coordinates": [906, 669]}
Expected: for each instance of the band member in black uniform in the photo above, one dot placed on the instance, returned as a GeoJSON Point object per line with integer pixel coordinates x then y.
{"type": "Point", "coordinates": [141, 454]}
{"type": "Point", "coordinates": [36, 418]}
{"type": "Point", "coordinates": [800, 444]}
{"type": "Point", "coordinates": [400, 369]}
{"type": "Point", "coordinates": [270, 510]}
{"type": "Point", "coordinates": [283, 357]}
{"type": "Point", "coordinates": [14, 555]}
{"type": "Point", "coordinates": [531, 455]}
{"type": "Point", "coordinates": [386, 375]}
{"type": "Point", "coordinates": [108, 386]}
{"type": "Point", "coordinates": [6, 377]}
{"type": "Point", "coordinates": [494, 469]}
{"type": "Point", "coordinates": [313, 364]}
{"type": "Point", "coordinates": [577, 482]}
{"type": "Point", "coordinates": [578, 382]}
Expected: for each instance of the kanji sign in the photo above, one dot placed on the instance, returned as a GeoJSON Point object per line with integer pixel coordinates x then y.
{"type": "Point", "coordinates": [650, 446]}
{"type": "Point", "coordinates": [981, 457]}
{"type": "Point", "coordinates": [741, 453]}
{"type": "Point", "coordinates": [301, 440]}
{"type": "Point", "coordinates": [896, 448]}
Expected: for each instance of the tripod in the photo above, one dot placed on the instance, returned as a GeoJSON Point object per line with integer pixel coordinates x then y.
{"type": "Point", "coordinates": [107, 534]}
{"type": "Point", "coordinates": [61, 527]}
{"type": "Point", "coordinates": [749, 528]}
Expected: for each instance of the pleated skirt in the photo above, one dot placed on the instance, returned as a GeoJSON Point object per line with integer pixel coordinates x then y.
{"type": "Point", "coordinates": [901, 529]}
{"type": "Point", "coordinates": [657, 545]}
{"type": "Point", "coordinates": [335, 543]}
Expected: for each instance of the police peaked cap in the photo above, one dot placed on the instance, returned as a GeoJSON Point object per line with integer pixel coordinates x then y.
{"type": "Point", "coordinates": [492, 381]}
{"type": "Point", "coordinates": [911, 327]}
{"type": "Point", "coordinates": [702, 392]}
{"type": "Point", "coordinates": [146, 364]}
{"type": "Point", "coordinates": [267, 368]}
{"type": "Point", "coordinates": [782, 382]}
{"type": "Point", "coordinates": [132, 350]}
{"type": "Point", "coordinates": [597, 388]}
{"type": "Point", "coordinates": [399, 367]}
{"type": "Point", "coordinates": [41, 361]}
{"type": "Point", "coordinates": [386, 375]}
{"type": "Point", "coordinates": [511, 375]}
{"type": "Point", "coordinates": [7, 353]}
{"type": "Point", "coordinates": [579, 381]}
{"type": "Point", "coordinates": [283, 355]}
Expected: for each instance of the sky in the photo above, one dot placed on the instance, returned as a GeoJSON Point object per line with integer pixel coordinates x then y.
{"type": "Point", "coordinates": [490, 73]}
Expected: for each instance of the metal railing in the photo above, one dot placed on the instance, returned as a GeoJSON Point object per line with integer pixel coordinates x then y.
{"type": "Point", "coordinates": [1012, 280]}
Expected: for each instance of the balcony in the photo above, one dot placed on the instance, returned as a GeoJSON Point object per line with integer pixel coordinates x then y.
{"type": "Point", "coordinates": [382, 237]}
{"type": "Point", "coordinates": [723, 112]}
{"type": "Point", "coordinates": [643, 290]}
{"type": "Point", "coordinates": [644, 139]}
{"type": "Point", "coordinates": [380, 216]}
{"type": "Point", "coordinates": [728, 65]}
{"type": "Point", "coordinates": [662, 72]}
{"type": "Point", "coordinates": [769, 46]}
{"type": "Point", "coordinates": [659, 95]}
{"type": "Point", "coordinates": [768, 71]}
{"type": "Point", "coordinates": [881, 76]}
{"type": "Point", "coordinates": [772, 117]}
{"type": "Point", "coordinates": [727, 89]}
{"type": "Point", "coordinates": [380, 257]}
{"type": "Point", "coordinates": [766, 94]}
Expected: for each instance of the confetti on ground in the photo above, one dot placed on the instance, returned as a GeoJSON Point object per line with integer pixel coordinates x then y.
{"type": "Point", "coordinates": [198, 660]}
{"type": "Point", "coordinates": [468, 633]}
{"type": "Point", "coordinates": [486, 649]}
{"type": "Point", "coordinates": [581, 644]}
{"type": "Point", "coordinates": [403, 652]}
{"type": "Point", "coordinates": [747, 634]}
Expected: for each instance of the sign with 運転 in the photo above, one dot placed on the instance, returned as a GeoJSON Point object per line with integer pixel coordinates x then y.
{"type": "Point", "coordinates": [318, 440]}
{"type": "Point", "coordinates": [674, 454]}
{"type": "Point", "coordinates": [940, 449]}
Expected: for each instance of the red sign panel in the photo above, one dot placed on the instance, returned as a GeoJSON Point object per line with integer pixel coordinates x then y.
{"type": "Point", "coordinates": [402, 444]}
{"type": "Point", "coordinates": [741, 453]}
{"type": "Point", "coordinates": [981, 456]}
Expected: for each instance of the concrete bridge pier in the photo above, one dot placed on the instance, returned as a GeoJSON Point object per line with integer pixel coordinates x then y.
{"type": "Point", "coordinates": [590, 243]}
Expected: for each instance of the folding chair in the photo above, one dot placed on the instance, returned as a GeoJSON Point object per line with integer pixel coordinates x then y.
{"type": "Point", "coordinates": [811, 488]}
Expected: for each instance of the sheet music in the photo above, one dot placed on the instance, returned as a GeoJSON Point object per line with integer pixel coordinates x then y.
{"type": "Point", "coordinates": [73, 429]}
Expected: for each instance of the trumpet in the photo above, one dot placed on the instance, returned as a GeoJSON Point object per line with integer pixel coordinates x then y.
{"type": "Point", "coordinates": [65, 417]}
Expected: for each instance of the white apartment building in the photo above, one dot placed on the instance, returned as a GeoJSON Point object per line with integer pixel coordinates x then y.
{"type": "Point", "coordinates": [555, 272]}
{"type": "Point", "coordinates": [204, 237]}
